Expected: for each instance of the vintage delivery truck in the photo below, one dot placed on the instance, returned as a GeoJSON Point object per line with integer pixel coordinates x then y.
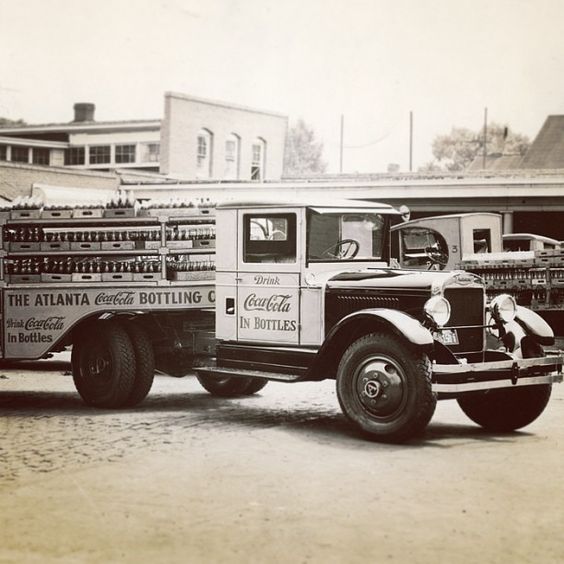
{"type": "Point", "coordinates": [287, 291]}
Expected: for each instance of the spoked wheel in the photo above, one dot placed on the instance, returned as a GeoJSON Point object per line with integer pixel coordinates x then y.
{"type": "Point", "coordinates": [384, 388]}
{"type": "Point", "coordinates": [103, 365]}
{"type": "Point", "coordinates": [229, 386]}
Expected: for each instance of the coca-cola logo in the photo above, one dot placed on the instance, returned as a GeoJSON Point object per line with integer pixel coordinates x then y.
{"type": "Point", "coordinates": [118, 299]}
{"type": "Point", "coordinates": [53, 323]}
{"type": "Point", "coordinates": [276, 303]}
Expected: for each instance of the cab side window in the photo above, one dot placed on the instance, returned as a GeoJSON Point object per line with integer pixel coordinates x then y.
{"type": "Point", "coordinates": [269, 238]}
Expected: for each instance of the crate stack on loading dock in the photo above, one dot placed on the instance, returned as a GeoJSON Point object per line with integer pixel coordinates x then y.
{"type": "Point", "coordinates": [119, 242]}
{"type": "Point", "coordinates": [536, 281]}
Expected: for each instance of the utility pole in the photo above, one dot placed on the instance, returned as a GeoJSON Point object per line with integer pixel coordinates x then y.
{"type": "Point", "coordinates": [485, 154]}
{"type": "Point", "coordinates": [410, 141]}
{"type": "Point", "coordinates": [341, 144]}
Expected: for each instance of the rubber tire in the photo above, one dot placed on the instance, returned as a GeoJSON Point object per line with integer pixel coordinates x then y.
{"type": "Point", "coordinates": [144, 364]}
{"type": "Point", "coordinates": [507, 409]}
{"type": "Point", "coordinates": [107, 339]}
{"type": "Point", "coordinates": [417, 404]}
{"type": "Point", "coordinates": [230, 387]}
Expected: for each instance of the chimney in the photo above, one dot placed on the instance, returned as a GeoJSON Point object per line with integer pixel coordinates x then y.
{"type": "Point", "coordinates": [84, 111]}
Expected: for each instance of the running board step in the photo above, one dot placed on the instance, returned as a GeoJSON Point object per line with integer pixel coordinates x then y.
{"type": "Point", "coordinates": [238, 373]}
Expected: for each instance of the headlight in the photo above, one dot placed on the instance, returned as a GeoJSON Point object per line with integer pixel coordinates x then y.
{"type": "Point", "coordinates": [503, 308]}
{"type": "Point", "coordinates": [438, 309]}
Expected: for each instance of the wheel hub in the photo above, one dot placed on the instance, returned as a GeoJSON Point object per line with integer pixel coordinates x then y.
{"type": "Point", "coordinates": [98, 366]}
{"type": "Point", "coordinates": [380, 386]}
{"type": "Point", "coordinates": [372, 388]}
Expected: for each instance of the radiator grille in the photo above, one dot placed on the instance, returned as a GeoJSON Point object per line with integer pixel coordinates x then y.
{"type": "Point", "coordinates": [467, 308]}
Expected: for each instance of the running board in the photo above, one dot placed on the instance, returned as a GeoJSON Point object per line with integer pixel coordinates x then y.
{"type": "Point", "coordinates": [239, 373]}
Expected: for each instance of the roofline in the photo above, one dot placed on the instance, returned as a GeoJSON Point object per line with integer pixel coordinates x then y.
{"type": "Point", "coordinates": [221, 104]}
{"type": "Point", "coordinates": [33, 142]}
{"type": "Point", "coordinates": [446, 216]}
{"type": "Point", "coordinates": [530, 236]}
{"type": "Point", "coordinates": [84, 126]}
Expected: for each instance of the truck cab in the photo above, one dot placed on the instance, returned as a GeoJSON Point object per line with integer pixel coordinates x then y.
{"type": "Point", "coordinates": [272, 277]}
{"type": "Point", "coordinates": [442, 242]}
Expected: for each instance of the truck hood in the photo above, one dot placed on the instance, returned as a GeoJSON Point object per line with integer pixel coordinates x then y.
{"type": "Point", "coordinates": [399, 279]}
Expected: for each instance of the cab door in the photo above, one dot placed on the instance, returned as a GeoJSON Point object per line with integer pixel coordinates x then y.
{"type": "Point", "coordinates": [268, 276]}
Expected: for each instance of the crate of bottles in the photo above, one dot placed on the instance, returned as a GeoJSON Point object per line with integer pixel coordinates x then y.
{"type": "Point", "coordinates": [88, 212]}
{"type": "Point", "coordinates": [84, 246]}
{"type": "Point", "coordinates": [178, 275]}
{"type": "Point", "coordinates": [55, 277]}
{"type": "Point", "coordinates": [556, 277]}
{"type": "Point", "coordinates": [23, 246]}
{"type": "Point", "coordinates": [117, 276]}
{"type": "Point", "coordinates": [117, 213]}
{"type": "Point", "coordinates": [118, 245]}
{"type": "Point", "coordinates": [56, 213]}
{"type": "Point", "coordinates": [23, 278]}
{"type": "Point", "coordinates": [86, 277]}
{"type": "Point", "coordinates": [34, 213]}
{"type": "Point", "coordinates": [55, 245]}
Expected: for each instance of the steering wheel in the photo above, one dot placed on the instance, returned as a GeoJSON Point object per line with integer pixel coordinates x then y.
{"type": "Point", "coordinates": [343, 249]}
{"type": "Point", "coordinates": [436, 256]}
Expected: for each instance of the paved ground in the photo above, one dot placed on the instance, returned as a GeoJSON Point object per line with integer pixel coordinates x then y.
{"type": "Point", "coordinates": [279, 478]}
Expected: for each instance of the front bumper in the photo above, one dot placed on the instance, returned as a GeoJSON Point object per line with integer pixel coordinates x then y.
{"type": "Point", "coordinates": [507, 373]}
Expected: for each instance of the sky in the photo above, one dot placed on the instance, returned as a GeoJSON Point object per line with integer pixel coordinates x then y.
{"type": "Point", "coordinates": [373, 62]}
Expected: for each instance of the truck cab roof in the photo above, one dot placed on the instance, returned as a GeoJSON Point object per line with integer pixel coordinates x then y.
{"type": "Point", "coordinates": [314, 203]}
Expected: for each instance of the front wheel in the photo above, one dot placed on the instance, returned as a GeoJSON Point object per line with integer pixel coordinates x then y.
{"type": "Point", "coordinates": [229, 387]}
{"type": "Point", "coordinates": [506, 409]}
{"type": "Point", "coordinates": [384, 388]}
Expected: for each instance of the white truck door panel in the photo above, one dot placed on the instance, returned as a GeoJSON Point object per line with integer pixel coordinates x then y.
{"type": "Point", "coordinates": [268, 308]}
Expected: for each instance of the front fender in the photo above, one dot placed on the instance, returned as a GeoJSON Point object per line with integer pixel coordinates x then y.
{"type": "Point", "coordinates": [360, 323]}
{"type": "Point", "coordinates": [401, 323]}
{"type": "Point", "coordinates": [535, 325]}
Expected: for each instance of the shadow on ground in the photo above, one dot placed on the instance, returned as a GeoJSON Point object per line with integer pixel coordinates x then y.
{"type": "Point", "coordinates": [200, 409]}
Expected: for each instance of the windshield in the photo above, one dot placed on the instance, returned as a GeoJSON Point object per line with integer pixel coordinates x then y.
{"type": "Point", "coordinates": [343, 236]}
{"type": "Point", "coordinates": [423, 248]}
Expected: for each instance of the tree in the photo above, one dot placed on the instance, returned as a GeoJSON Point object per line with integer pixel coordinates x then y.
{"type": "Point", "coordinates": [456, 150]}
{"type": "Point", "coordinates": [303, 153]}
{"type": "Point", "coordinates": [5, 122]}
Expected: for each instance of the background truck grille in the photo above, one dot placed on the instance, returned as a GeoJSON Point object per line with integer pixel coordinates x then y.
{"type": "Point", "coordinates": [467, 308]}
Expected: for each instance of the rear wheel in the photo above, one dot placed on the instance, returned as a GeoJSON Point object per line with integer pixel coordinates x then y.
{"type": "Point", "coordinates": [229, 386]}
{"type": "Point", "coordinates": [384, 388]}
{"type": "Point", "coordinates": [144, 364]}
{"type": "Point", "coordinates": [103, 365]}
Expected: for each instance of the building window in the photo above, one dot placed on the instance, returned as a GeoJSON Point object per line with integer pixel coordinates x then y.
{"type": "Point", "coordinates": [232, 145]}
{"type": "Point", "coordinates": [3, 152]}
{"type": "Point", "coordinates": [74, 156]}
{"type": "Point", "coordinates": [150, 152]}
{"type": "Point", "coordinates": [125, 153]}
{"type": "Point", "coordinates": [99, 154]}
{"type": "Point", "coordinates": [258, 159]}
{"type": "Point", "coordinates": [20, 154]}
{"type": "Point", "coordinates": [40, 156]}
{"type": "Point", "coordinates": [203, 154]}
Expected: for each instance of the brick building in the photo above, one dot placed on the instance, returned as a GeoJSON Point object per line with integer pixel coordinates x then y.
{"type": "Point", "coordinates": [205, 139]}
{"type": "Point", "coordinates": [197, 139]}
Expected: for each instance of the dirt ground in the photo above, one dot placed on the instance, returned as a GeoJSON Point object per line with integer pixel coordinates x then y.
{"type": "Point", "coordinates": [279, 477]}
